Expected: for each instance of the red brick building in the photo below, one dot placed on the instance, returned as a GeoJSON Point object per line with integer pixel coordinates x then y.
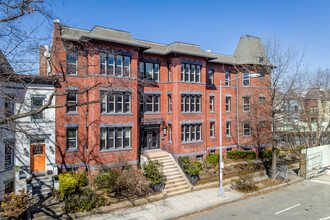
{"type": "Point", "coordinates": [153, 96]}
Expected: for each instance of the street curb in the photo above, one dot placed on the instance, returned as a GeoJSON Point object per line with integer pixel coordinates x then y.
{"type": "Point", "coordinates": [201, 209]}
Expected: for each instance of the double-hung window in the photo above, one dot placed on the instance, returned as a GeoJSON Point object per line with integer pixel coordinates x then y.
{"type": "Point", "coordinates": [227, 78]}
{"type": "Point", "coordinates": [246, 104]}
{"type": "Point", "coordinates": [211, 103]}
{"type": "Point", "coordinates": [150, 103]}
{"type": "Point", "coordinates": [116, 103]}
{"type": "Point", "coordinates": [246, 128]}
{"type": "Point", "coordinates": [71, 63]}
{"type": "Point", "coordinates": [313, 109]}
{"type": "Point", "coordinates": [228, 128]}
{"type": "Point", "coordinates": [36, 103]}
{"type": "Point", "coordinates": [9, 159]}
{"type": "Point", "coordinates": [9, 107]}
{"type": "Point", "coordinates": [211, 76]}
{"type": "Point", "coordinates": [191, 132]}
{"type": "Point", "coordinates": [169, 72]}
{"type": "Point", "coordinates": [71, 102]}
{"type": "Point", "coordinates": [116, 137]}
{"type": "Point", "coordinates": [149, 71]}
{"type": "Point", "coordinates": [190, 72]}
{"type": "Point", "coordinates": [262, 99]}
{"type": "Point", "coordinates": [246, 79]}
{"type": "Point", "coordinates": [169, 132]}
{"type": "Point", "coordinates": [117, 65]}
{"type": "Point", "coordinates": [212, 129]}
{"type": "Point", "coordinates": [228, 104]}
{"type": "Point", "coordinates": [169, 103]}
{"type": "Point", "coordinates": [190, 103]}
{"type": "Point", "coordinates": [71, 138]}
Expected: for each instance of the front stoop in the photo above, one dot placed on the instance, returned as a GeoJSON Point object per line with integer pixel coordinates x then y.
{"type": "Point", "coordinates": [42, 186]}
{"type": "Point", "coordinates": [176, 181]}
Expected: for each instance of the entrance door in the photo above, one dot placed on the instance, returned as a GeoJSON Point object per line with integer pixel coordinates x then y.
{"type": "Point", "coordinates": [38, 157]}
{"type": "Point", "coordinates": [150, 139]}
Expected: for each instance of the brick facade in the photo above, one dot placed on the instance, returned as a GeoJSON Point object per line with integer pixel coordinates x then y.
{"type": "Point", "coordinates": [88, 83]}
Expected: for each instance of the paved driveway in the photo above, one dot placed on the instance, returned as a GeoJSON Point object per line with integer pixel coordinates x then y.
{"type": "Point", "coordinates": [309, 199]}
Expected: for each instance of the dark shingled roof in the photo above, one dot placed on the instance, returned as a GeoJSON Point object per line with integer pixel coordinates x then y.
{"type": "Point", "coordinates": [249, 50]}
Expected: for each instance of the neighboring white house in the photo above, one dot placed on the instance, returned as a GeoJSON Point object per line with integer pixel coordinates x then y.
{"type": "Point", "coordinates": [30, 141]}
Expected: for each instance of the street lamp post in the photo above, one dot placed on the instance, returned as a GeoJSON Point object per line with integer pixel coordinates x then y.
{"type": "Point", "coordinates": [221, 191]}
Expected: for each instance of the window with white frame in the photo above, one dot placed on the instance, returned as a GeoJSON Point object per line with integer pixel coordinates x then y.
{"type": "Point", "coordinates": [190, 72]}
{"type": "Point", "coordinates": [116, 137]}
{"type": "Point", "coordinates": [9, 106]}
{"type": "Point", "coordinates": [211, 76]}
{"type": "Point", "coordinates": [116, 103]}
{"type": "Point", "coordinates": [313, 109]}
{"type": "Point", "coordinates": [37, 103]}
{"type": "Point", "coordinates": [246, 104]}
{"type": "Point", "coordinates": [72, 138]}
{"type": "Point", "coordinates": [150, 103]}
{"type": "Point", "coordinates": [149, 71]}
{"type": "Point", "coordinates": [169, 72]}
{"type": "Point", "coordinates": [246, 79]}
{"type": "Point", "coordinates": [169, 132]}
{"type": "Point", "coordinates": [199, 158]}
{"type": "Point", "coordinates": [118, 65]}
{"type": "Point", "coordinates": [228, 128]}
{"type": "Point", "coordinates": [71, 63]}
{"type": "Point", "coordinates": [191, 103]}
{"type": "Point", "coordinates": [169, 103]}
{"type": "Point", "coordinates": [212, 129]}
{"type": "Point", "coordinates": [71, 102]}
{"type": "Point", "coordinates": [227, 78]}
{"type": "Point", "coordinates": [9, 148]}
{"type": "Point", "coordinates": [191, 132]}
{"type": "Point", "coordinates": [228, 103]}
{"type": "Point", "coordinates": [262, 99]}
{"type": "Point", "coordinates": [211, 103]}
{"type": "Point", "coordinates": [247, 128]}
{"type": "Point", "coordinates": [9, 187]}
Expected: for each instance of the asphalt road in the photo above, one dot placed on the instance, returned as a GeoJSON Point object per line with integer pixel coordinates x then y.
{"type": "Point", "coordinates": [309, 199]}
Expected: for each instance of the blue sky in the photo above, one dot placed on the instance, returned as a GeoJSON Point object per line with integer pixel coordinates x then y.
{"type": "Point", "coordinates": [215, 25]}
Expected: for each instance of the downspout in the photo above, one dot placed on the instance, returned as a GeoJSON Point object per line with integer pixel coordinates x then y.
{"type": "Point", "coordinates": [237, 119]}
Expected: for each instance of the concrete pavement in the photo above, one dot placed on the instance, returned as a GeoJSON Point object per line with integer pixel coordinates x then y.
{"type": "Point", "coordinates": [177, 206]}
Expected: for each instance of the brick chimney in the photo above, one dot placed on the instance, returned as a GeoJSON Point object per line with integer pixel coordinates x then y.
{"type": "Point", "coordinates": [43, 63]}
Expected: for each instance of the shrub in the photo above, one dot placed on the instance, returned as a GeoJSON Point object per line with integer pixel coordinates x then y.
{"type": "Point", "coordinates": [213, 159]}
{"type": "Point", "coordinates": [184, 162]}
{"type": "Point", "coordinates": [14, 204]}
{"type": "Point", "coordinates": [245, 182]}
{"type": "Point", "coordinates": [241, 155]}
{"type": "Point", "coordinates": [132, 182]}
{"type": "Point", "coordinates": [82, 179]}
{"type": "Point", "coordinates": [106, 180]}
{"type": "Point", "coordinates": [194, 169]}
{"type": "Point", "coordinates": [189, 167]}
{"type": "Point", "coordinates": [68, 184]}
{"type": "Point", "coordinates": [267, 154]}
{"type": "Point", "coordinates": [153, 172]}
{"type": "Point", "coordinates": [83, 200]}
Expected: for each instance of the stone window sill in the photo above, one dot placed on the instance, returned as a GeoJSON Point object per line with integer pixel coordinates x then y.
{"type": "Point", "coordinates": [115, 149]}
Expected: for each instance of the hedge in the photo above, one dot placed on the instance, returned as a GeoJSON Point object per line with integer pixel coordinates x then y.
{"type": "Point", "coordinates": [241, 155]}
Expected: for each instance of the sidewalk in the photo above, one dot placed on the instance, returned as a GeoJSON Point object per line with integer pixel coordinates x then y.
{"type": "Point", "coordinates": [181, 205]}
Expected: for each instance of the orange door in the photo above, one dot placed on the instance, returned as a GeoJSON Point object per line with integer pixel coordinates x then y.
{"type": "Point", "coordinates": [38, 157]}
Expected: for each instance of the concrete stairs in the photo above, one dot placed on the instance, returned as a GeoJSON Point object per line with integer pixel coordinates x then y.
{"type": "Point", "coordinates": [42, 186]}
{"type": "Point", "coordinates": [176, 181]}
